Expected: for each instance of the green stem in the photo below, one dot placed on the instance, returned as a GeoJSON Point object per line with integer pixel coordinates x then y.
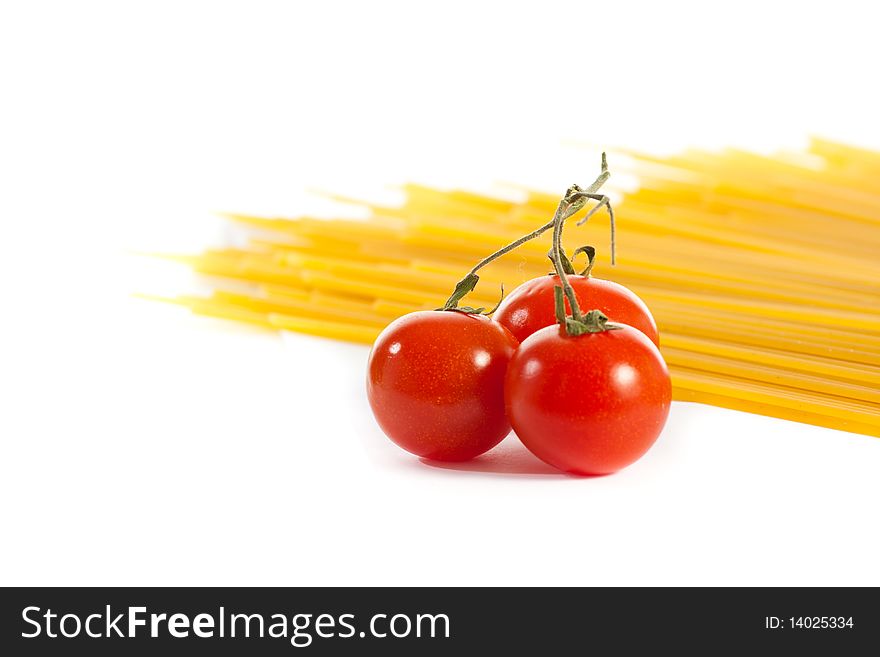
{"type": "Point", "coordinates": [558, 222]}
{"type": "Point", "coordinates": [522, 240]}
{"type": "Point", "coordinates": [594, 321]}
{"type": "Point", "coordinates": [577, 198]}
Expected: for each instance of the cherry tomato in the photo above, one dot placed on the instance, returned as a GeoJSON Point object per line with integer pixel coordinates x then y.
{"type": "Point", "coordinates": [435, 382]}
{"type": "Point", "coordinates": [530, 306]}
{"type": "Point", "coordinates": [589, 404]}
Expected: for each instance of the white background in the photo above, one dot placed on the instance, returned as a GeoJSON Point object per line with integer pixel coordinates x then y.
{"type": "Point", "coordinates": [141, 445]}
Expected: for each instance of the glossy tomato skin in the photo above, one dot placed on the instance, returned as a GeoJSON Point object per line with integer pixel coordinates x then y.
{"type": "Point", "coordinates": [589, 404]}
{"type": "Point", "coordinates": [530, 307]}
{"type": "Point", "coordinates": [435, 382]}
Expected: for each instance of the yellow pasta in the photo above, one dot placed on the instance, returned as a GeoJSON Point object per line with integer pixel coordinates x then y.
{"type": "Point", "coordinates": [763, 272]}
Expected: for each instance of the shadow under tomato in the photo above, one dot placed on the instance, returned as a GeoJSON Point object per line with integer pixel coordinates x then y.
{"type": "Point", "coordinates": [510, 457]}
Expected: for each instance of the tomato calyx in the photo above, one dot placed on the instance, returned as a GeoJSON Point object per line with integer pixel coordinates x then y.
{"type": "Point", "coordinates": [595, 321]}
{"type": "Point", "coordinates": [567, 263]}
{"type": "Point", "coordinates": [591, 258]}
{"type": "Point", "coordinates": [462, 289]}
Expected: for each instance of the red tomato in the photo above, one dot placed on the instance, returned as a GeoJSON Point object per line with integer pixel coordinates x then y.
{"type": "Point", "coordinates": [588, 404]}
{"type": "Point", "coordinates": [435, 381]}
{"type": "Point", "coordinates": [530, 307]}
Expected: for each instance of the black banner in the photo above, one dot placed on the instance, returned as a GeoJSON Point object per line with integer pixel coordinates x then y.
{"type": "Point", "coordinates": [406, 621]}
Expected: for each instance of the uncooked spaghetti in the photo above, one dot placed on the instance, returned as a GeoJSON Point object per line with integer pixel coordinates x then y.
{"type": "Point", "coordinates": [762, 272]}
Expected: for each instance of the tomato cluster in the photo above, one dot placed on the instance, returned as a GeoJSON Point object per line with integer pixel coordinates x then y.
{"type": "Point", "coordinates": [585, 395]}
